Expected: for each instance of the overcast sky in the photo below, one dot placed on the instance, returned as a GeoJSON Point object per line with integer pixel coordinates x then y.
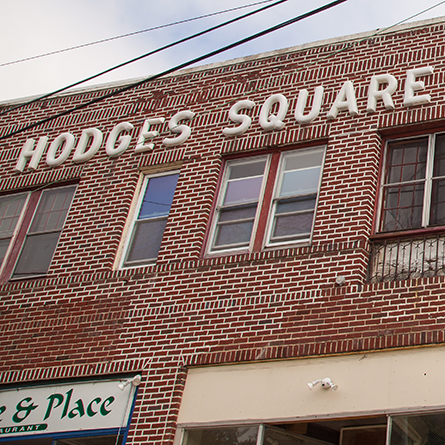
{"type": "Point", "coordinates": [33, 27]}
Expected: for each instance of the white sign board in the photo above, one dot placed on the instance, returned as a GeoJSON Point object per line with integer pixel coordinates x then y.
{"type": "Point", "coordinates": [67, 407]}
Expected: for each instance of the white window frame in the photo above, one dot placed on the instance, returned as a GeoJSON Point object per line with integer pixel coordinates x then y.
{"type": "Point", "coordinates": [220, 200]}
{"type": "Point", "coordinates": [133, 217]}
{"type": "Point", "coordinates": [275, 199]}
{"type": "Point", "coordinates": [267, 181]}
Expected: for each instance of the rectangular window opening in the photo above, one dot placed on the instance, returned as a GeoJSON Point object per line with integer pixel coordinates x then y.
{"type": "Point", "coordinates": [282, 187]}
{"type": "Point", "coordinates": [149, 224]}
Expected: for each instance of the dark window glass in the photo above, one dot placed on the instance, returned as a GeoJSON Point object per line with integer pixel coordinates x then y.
{"type": "Point", "coordinates": [43, 234]}
{"type": "Point", "coordinates": [223, 436]}
{"type": "Point", "coordinates": [11, 208]}
{"type": "Point", "coordinates": [418, 429]}
{"type": "Point", "coordinates": [403, 194]}
{"type": "Point", "coordinates": [150, 224]}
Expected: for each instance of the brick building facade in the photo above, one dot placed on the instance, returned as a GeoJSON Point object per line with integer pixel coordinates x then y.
{"type": "Point", "coordinates": [230, 242]}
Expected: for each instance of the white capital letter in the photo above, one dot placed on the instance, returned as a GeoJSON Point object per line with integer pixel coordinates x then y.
{"type": "Point", "coordinates": [243, 119]}
{"type": "Point", "coordinates": [411, 85]}
{"type": "Point", "coordinates": [145, 134]}
{"type": "Point", "coordinates": [28, 152]}
{"type": "Point", "coordinates": [124, 141]}
{"type": "Point", "coordinates": [301, 105]}
{"type": "Point", "coordinates": [345, 100]}
{"type": "Point", "coordinates": [65, 141]}
{"type": "Point", "coordinates": [374, 93]}
{"type": "Point", "coordinates": [184, 131]}
{"type": "Point", "coordinates": [273, 122]}
{"type": "Point", "coordinates": [80, 155]}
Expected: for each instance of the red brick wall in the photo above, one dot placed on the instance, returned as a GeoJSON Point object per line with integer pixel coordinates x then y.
{"type": "Point", "coordinates": [87, 319]}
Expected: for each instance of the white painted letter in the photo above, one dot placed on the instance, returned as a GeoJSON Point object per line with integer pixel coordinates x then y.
{"type": "Point", "coordinates": [28, 152]}
{"type": "Point", "coordinates": [65, 142]}
{"type": "Point", "coordinates": [385, 94]}
{"type": "Point", "coordinates": [301, 105]}
{"type": "Point", "coordinates": [243, 119]}
{"type": "Point", "coordinates": [345, 100]}
{"type": "Point", "coordinates": [273, 122]}
{"type": "Point", "coordinates": [80, 155]}
{"type": "Point", "coordinates": [124, 141]}
{"type": "Point", "coordinates": [411, 85]}
{"type": "Point", "coordinates": [141, 146]}
{"type": "Point", "coordinates": [184, 131]}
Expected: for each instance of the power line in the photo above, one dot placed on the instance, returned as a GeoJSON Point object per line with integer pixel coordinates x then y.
{"type": "Point", "coordinates": [348, 46]}
{"type": "Point", "coordinates": [109, 39]}
{"type": "Point", "coordinates": [180, 66]}
{"type": "Point", "coordinates": [170, 45]}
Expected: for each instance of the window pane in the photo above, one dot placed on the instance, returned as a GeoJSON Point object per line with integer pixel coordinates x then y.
{"type": "Point", "coordinates": [223, 436]}
{"type": "Point", "coordinates": [243, 190]}
{"type": "Point", "coordinates": [295, 205]}
{"type": "Point", "coordinates": [438, 203]}
{"type": "Point", "coordinates": [236, 234]}
{"type": "Point", "coordinates": [303, 159]}
{"type": "Point", "coordinates": [36, 255]}
{"type": "Point", "coordinates": [235, 227]}
{"type": "Point", "coordinates": [403, 207]}
{"type": "Point", "coordinates": [4, 244]}
{"type": "Point", "coordinates": [247, 169]}
{"type": "Point", "coordinates": [423, 429]}
{"type": "Point", "coordinates": [407, 160]}
{"type": "Point", "coordinates": [52, 210]}
{"type": "Point", "coordinates": [146, 241]}
{"type": "Point", "coordinates": [300, 182]}
{"type": "Point", "coordinates": [247, 212]}
{"type": "Point", "coordinates": [439, 156]}
{"type": "Point", "coordinates": [158, 196]}
{"type": "Point", "coordinates": [10, 210]}
{"type": "Point", "coordinates": [291, 226]}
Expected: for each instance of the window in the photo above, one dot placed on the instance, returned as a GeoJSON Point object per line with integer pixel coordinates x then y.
{"type": "Point", "coordinates": [30, 226]}
{"type": "Point", "coordinates": [11, 208]}
{"type": "Point", "coordinates": [414, 184]}
{"type": "Point", "coordinates": [412, 198]}
{"type": "Point", "coordinates": [148, 227]}
{"type": "Point", "coordinates": [395, 429]}
{"type": "Point", "coordinates": [271, 198]}
{"type": "Point", "coordinates": [338, 432]}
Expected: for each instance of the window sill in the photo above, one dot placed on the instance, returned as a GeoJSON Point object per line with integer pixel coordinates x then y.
{"type": "Point", "coordinates": [28, 277]}
{"type": "Point", "coordinates": [407, 233]}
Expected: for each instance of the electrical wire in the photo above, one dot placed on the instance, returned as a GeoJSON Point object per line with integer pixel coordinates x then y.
{"type": "Point", "coordinates": [178, 67]}
{"type": "Point", "coordinates": [346, 47]}
{"type": "Point", "coordinates": [109, 39]}
{"type": "Point", "coordinates": [150, 53]}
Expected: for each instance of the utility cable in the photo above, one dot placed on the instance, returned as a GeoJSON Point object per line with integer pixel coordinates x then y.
{"type": "Point", "coordinates": [109, 39]}
{"type": "Point", "coordinates": [178, 67]}
{"type": "Point", "coordinates": [345, 47]}
{"type": "Point", "coordinates": [150, 53]}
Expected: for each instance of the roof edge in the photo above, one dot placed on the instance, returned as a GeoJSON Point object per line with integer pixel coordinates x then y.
{"type": "Point", "coordinates": [351, 37]}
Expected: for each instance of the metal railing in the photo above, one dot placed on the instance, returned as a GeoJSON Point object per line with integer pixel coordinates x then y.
{"type": "Point", "coordinates": [407, 258]}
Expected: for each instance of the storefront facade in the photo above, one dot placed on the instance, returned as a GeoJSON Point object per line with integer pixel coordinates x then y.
{"type": "Point", "coordinates": [261, 241]}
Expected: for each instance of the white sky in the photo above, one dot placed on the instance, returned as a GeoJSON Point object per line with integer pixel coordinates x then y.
{"type": "Point", "coordinates": [32, 27]}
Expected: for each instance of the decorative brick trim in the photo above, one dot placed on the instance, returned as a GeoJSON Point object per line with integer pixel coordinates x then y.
{"type": "Point", "coordinates": [26, 180]}
{"type": "Point", "coordinates": [73, 371]}
{"type": "Point", "coordinates": [322, 249]}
